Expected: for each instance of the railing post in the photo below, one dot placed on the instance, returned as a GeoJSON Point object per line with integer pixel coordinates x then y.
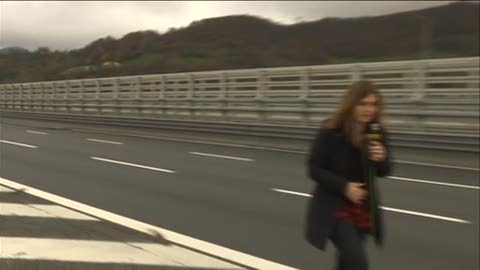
{"type": "Point", "coordinates": [42, 96]}
{"type": "Point", "coordinates": [474, 82]}
{"type": "Point", "coordinates": [138, 89]}
{"type": "Point", "coordinates": [64, 99]}
{"type": "Point", "coordinates": [222, 96]}
{"type": "Point", "coordinates": [116, 86]}
{"type": "Point", "coordinates": [83, 94]}
{"type": "Point", "coordinates": [161, 95]}
{"type": "Point", "coordinates": [136, 101]}
{"type": "Point", "coordinates": [356, 72]}
{"type": "Point", "coordinates": [2, 98]}
{"type": "Point", "coordinates": [67, 96]}
{"type": "Point", "coordinates": [55, 98]}
{"type": "Point", "coordinates": [97, 95]}
{"type": "Point", "coordinates": [419, 94]}
{"type": "Point", "coordinates": [190, 102]}
{"type": "Point", "coordinates": [116, 99]}
{"type": "Point", "coordinates": [22, 98]}
{"type": "Point", "coordinates": [261, 88]}
{"type": "Point", "coordinates": [304, 90]}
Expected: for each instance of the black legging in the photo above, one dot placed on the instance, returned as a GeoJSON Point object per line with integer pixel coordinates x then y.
{"type": "Point", "coordinates": [349, 241]}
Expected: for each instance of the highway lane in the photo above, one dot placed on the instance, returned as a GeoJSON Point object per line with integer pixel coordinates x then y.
{"type": "Point", "coordinates": [272, 170]}
{"type": "Point", "coordinates": [230, 202]}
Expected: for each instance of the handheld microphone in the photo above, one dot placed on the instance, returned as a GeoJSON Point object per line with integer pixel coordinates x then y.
{"type": "Point", "coordinates": [373, 132]}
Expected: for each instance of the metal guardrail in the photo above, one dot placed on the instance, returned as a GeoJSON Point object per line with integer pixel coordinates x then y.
{"type": "Point", "coordinates": [422, 96]}
{"type": "Point", "coordinates": [410, 139]}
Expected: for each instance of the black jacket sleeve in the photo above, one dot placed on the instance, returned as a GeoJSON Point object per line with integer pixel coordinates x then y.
{"type": "Point", "coordinates": [318, 164]}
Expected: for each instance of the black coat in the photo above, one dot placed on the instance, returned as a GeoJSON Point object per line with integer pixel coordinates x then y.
{"type": "Point", "coordinates": [333, 161]}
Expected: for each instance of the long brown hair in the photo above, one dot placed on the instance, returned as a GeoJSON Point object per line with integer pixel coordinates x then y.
{"type": "Point", "coordinates": [343, 120]}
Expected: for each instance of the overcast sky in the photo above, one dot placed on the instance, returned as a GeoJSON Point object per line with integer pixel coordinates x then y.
{"type": "Point", "coordinates": [64, 25]}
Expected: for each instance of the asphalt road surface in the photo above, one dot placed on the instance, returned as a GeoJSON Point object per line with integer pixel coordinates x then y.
{"type": "Point", "coordinates": [245, 199]}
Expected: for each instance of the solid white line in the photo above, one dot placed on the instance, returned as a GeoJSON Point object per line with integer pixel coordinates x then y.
{"type": "Point", "coordinates": [291, 192]}
{"type": "Point", "coordinates": [132, 165]}
{"type": "Point", "coordinates": [437, 165]}
{"type": "Point", "coordinates": [424, 215]}
{"type": "Point", "coordinates": [37, 132]}
{"type": "Point", "coordinates": [103, 141]}
{"type": "Point", "coordinates": [388, 208]}
{"type": "Point", "coordinates": [91, 251]}
{"type": "Point", "coordinates": [18, 144]}
{"type": "Point", "coordinates": [41, 210]}
{"type": "Point", "coordinates": [219, 251]}
{"type": "Point", "coordinates": [432, 182]}
{"type": "Point", "coordinates": [220, 156]}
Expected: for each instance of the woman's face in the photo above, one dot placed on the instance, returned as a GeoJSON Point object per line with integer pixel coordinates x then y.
{"type": "Point", "coordinates": [366, 109]}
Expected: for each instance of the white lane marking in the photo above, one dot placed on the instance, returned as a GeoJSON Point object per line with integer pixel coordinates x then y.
{"type": "Point", "coordinates": [432, 182]}
{"type": "Point", "coordinates": [135, 253]}
{"type": "Point", "coordinates": [425, 215]}
{"type": "Point", "coordinates": [258, 147]}
{"type": "Point", "coordinates": [216, 250]}
{"type": "Point", "coordinates": [132, 165]}
{"type": "Point", "coordinates": [387, 208]}
{"type": "Point", "coordinates": [41, 210]}
{"type": "Point", "coordinates": [102, 141]}
{"type": "Point", "coordinates": [292, 192]}
{"type": "Point", "coordinates": [220, 156]}
{"type": "Point", "coordinates": [437, 165]}
{"type": "Point", "coordinates": [18, 144]}
{"type": "Point", "coordinates": [37, 132]}
{"type": "Point", "coordinates": [190, 141]}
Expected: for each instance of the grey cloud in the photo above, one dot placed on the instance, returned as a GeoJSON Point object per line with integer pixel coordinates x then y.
{"type": "Point", "coordinates": [156, 8]}
{"type": "Point", "coordinates": [62, 25]}
{"type": "Point", "coordinates": [313, 10]}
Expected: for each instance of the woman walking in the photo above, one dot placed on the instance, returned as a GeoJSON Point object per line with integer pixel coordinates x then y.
{"type": "Point", "coordinates": [344, 161]}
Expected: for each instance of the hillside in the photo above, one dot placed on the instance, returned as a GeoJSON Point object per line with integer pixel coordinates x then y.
{"type": "Point", "coordinates": [243, 41]}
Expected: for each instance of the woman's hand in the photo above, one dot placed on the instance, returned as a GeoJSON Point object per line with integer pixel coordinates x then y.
{"type": "Point", "coordinates": [377, 151]}
{"type": "Point", "coordinates": [355, 193]}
